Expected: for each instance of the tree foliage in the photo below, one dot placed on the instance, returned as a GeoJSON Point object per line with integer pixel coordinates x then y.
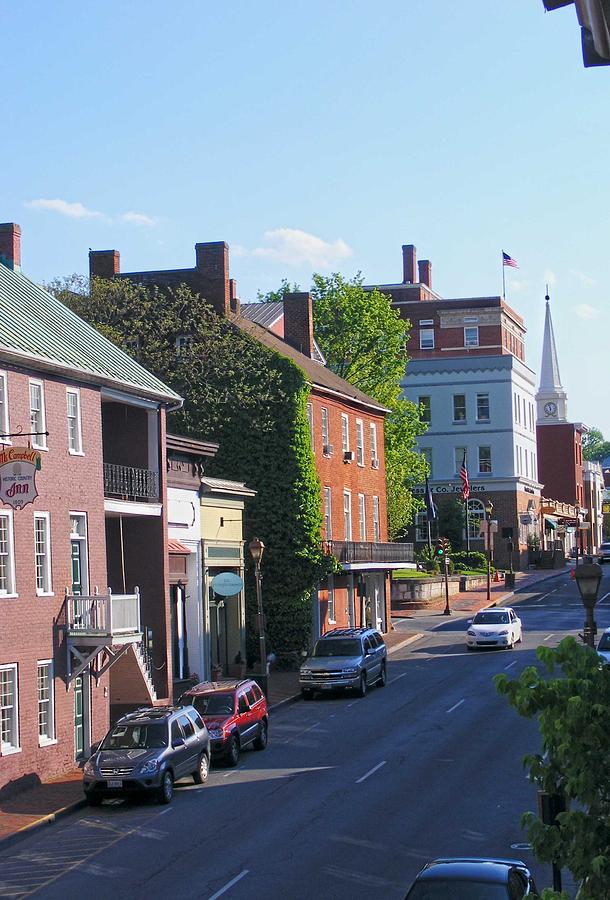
{"type": "Point", "coordinates": [573, 715]}
{"type": "Point", "coordinates": [594, 447]}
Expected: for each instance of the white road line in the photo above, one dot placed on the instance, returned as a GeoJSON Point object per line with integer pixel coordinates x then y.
{"type": "Point", "coordinates": [229, 884]}
{"type": "Point", "coordinates": [603, 598]}
{"type": "Point", "coordinates": [510, 665]}
{"type": "Point", "coordinates": [165, 811]}
{"type": "Point", "coordinates": [548, 638]}
{"type": "Point", "coordinates": [392, 680]}
{"type": "Point", "coordinates": [233, 771]}
{"type": "Point", "coordinates": [364, 777]}
{"type": "Point", "coordinates": [455, 705]}
{"type": "Point", "coordinates": [548, 594]}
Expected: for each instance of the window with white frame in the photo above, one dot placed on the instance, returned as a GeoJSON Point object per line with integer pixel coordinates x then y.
{"type": "Point", "coordinates": [331, 599]}
{"type": "Point", "coordinates": [9, 709]}
{"type": "Point", "coordinates": [421, 527]}
{"type": "Point", "coordinates": [344, 433]}
{"type": "Point", "coordinates": [184, 343]}
{"type": "Point", "coordinates": [426, 338]}
{"type": "Point", "coordinates": [38, 424]}
{"type": "Point", "coordinates": [374, 455]}
{"type": "Point", "coordinates": [482, 407]}
{"type": "Point", "coordinates": [328, 513]}
{"type": "Point", "coordinates": [7, 554]}
{"type": "Point", "coordinates": [425, 409]}
{"type": "Point", "coordinates": [4, 426]}
{"type": "Point", "coordinates": [485, 460]}
{"type": "Point", "coordinates": [42, 552]}
{"type": "Point", "coordinates": [361, 517]}
{"type": "Point", "coordinates": [347, 515]}
{"type": "Point", "coordinates": [75, 434]}
{"type": "Point", "coordinates": [325, 430]}
{"type": "Point", "coordinates": [376, 521]}
{"type": "Point", "coordinates": [46, 702]}
{"type": "Point", "coordinates": [310, 423]}
{"type": "Point", "coordinates": [471, 336]}
{"type": "Point", "coordinates": [459, 407]}
{"type": "Point", "coordinates": [458, 459]}
{"type": "Point", "coordinates": [359, 442]}
{"type": "Point", "coordinates": [476, 517]}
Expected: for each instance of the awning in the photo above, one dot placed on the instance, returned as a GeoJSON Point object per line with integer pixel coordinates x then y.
{"type": "Point", "coordinates": [550, 522]}
{"type": "Point", "coordinates": [175, 546]}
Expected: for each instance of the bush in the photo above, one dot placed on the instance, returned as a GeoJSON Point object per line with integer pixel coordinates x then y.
{"type": "Point", "coordinates": [469, 560]}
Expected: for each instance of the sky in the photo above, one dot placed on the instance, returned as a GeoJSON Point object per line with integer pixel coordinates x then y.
{"type": "Point", "coordinates": [320, 135]}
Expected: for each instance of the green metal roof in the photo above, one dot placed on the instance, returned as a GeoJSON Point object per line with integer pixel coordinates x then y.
{"type": "Point", "coordinates": [39, 331]}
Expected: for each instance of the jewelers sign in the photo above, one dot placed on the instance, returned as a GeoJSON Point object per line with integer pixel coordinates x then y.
{"type": "Point", "coordinates": [18, 467]}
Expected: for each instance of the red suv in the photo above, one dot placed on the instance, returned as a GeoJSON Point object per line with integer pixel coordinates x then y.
{"type": "Point", "coordinates": [235, 713]}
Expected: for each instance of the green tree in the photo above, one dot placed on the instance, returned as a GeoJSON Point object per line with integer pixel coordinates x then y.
{"type": "Point", "coordinates": [451, 521]}
{"type": "Point", "coordinates": [594, 447]}
{"type": "Point", "coordinates": [278, 295]}
{"type": "Point", "coordinates": [572, 712]}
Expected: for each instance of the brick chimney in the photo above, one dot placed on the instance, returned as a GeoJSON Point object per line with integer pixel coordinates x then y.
{"type": "Point", "coordinates": [104, 263]}
{"type": "Point", "coordinates": [235, 304]}
{"type": "Point", "coordinates": [298, 322]}
{"type": "Point", "coordinates": [425, 272]}
{"type": "Point", "coordinates": [409, 257]}
{"type": "Point", "coordinates": [10, 246]}
{"type": "Point", "coordinates": [212, 266]}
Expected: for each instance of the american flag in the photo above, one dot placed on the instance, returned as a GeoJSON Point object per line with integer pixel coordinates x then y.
{"type": "Point", "coordinates": [464, 479]}
{"type": "Point", "coordinates": [509, 261]}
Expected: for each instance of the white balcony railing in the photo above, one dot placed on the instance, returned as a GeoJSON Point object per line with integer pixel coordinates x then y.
{"type": "Point", "coordinates": [102, 615]}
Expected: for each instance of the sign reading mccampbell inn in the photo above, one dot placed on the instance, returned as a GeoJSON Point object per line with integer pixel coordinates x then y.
{"type": "Point", "coordinates": [18, 467]}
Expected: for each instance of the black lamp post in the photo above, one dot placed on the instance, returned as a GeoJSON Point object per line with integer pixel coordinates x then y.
{"type": "Point", "coordinates": [256, 548]}
{"type": "Point", "coordinates": [489, 508]}
{"type": "Point", "coordinates": [588, 577]}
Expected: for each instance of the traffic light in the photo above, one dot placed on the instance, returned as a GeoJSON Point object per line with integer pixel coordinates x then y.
{"type": "Point", "coordinates": [442, 548]}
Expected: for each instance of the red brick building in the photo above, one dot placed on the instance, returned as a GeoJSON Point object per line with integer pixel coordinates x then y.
{"type": "Point", "coordinates": [83, 553]}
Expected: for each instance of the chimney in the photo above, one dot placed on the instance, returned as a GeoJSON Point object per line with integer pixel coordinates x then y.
{"type": "Point", "coordinates": [425, 272]}
{"type": "Point", "coordinates": [104, 263]}
{"type": "Point", "coordinates": [10, 246]}
{"type": "Point", "coordinates": [298, 322]}
{"type": "Point", "coordinates": [409, 257]}
{"type": "Point", "coordinates": [212, 265]}
{"type": "Point", "coordinates": [233, 296]}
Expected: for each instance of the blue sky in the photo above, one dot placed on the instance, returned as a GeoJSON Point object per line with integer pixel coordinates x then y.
{"type": "Point", "coordinates": [320, 136]}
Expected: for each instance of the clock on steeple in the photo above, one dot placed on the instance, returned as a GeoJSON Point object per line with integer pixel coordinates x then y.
{"type": "Point", "coordinates": [550, 408]}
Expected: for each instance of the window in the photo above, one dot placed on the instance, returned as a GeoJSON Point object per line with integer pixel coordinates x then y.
{"type": "Point", "coordinates": [331, 599]}
{"type": "Point", "coordinates": [426, 338]}
{"type": "Point", "coordinates": [187, 727]}
{"type": "Point", "coordinates": [470, 320]}
{"type": "Point", "coordinates": [426, 452]}
{"type": "Point", "coordinates": [359, 442]}
{"type": "Point", "coordinates": [485, 460]}
{"type": "Point", "coordinates": [7, 554]}
{"type": "Point", "coordinates": [421, 527]}
{"type": "Point", "coordinates": [347, 515]}
{"type": "Point", "coordinates": [328, 513]}
{"type": "Point", "coordinates": [184, 343]}
{"type": "Point", "coordinates": [471, 336]}
{"type": "Point", "coordinates": [374, 456]}
{"type": "Point", "coordinates": [458, 458]}
{"type": "Point", "coordinates": [42, 553]}
{"type": "Point", "coordinates": [37, 415]}
{"type": "Point", "coordinates": [4, 426]}
{"type": "Point", "coordinates": [75, 436]}
{"type": "Point", "coordinates": [310, 421]}
{"type": "Point", "coordinates": [459, 407]}
{"type": "Point", "coordinates": [325, 432]}
{"type": "Point", "coordinates": [425, 409]}
{"type": "Point", "coordinates": [344, 433]}
{"type": "Point", "coordinates": [9, 710]}
{"type": "Point", "coordinates": [361, 518]}
{"type": "Point", "coordinates": [476, 517]}
{"type": "Point", "coordinates": [46, 711]}
{"type": "Point", "coordinates": [482, 407]}
{"type": "Point", "coordinates": [426, 321]}
{"type": "Point", "coordinates": [376, 522]}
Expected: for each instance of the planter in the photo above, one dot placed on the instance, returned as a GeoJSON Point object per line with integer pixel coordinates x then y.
{"type": "Point", "coordinates": [509, 580]}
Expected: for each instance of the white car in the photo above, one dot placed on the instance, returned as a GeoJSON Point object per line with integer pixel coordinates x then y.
{"type": "Point", "coordinates": [603, 647]}
{"type": "Point", "coordinates": [499, 627]}
{"type": "Point", "coordinates": [603, 553]}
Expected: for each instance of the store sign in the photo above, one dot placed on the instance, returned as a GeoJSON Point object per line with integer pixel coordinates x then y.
{"type": "Point", "coordinates": [449, 489]}
{"type": "Point", "coordinates": [18, 467]}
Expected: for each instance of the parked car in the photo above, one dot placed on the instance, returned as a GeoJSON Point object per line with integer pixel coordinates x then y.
{"type": "Point", "coordinates": [473, 879]}
{"type": "Point", "coordinates": [235, 713]}
{"type": "Point", "coordinates": [603, 552]}
{"type": "Point", "coordinates": [603, 645]}
{"type": "Point", "coordinates": [146, 752]}
{"type": "Point", "coordinates": [345, 658]}
{"type": "Point", "coordinates": [498, 627]}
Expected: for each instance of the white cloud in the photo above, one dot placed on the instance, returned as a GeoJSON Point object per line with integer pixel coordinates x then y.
{"type": "Point", "coordinates": [584, 311]}
{"type": "Point", "coordinates": [584, 279]}
{"type": "Point", "coordinates": [136, 218]}
{"type": "Point", "coordinates": [64, 208]}
{"type": "Point", "coordinates": [295, 248]}
{"type": "Point", "coordinates": [549, 277]}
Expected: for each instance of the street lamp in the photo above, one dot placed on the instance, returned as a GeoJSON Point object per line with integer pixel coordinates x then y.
{"type": "Point", "coordinates": [256, 548]}
{"type": "Point", "coordinates": [588, 577]}
{"type": "Point", "coordinates": [489, 508]}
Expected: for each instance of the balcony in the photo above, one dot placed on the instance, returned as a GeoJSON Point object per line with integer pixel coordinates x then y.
{"type": "Point", "coordinates": [392, 554]}
{"type": "Point", "coordinates": [129, 483]}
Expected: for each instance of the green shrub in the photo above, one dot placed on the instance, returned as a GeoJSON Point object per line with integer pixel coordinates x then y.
{"type": "Point", "coordinates": [469, 560]}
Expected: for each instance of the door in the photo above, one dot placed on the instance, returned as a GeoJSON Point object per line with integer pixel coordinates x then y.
{"type": "Point", "coordinates": [79, 718]}
{"type": "Point", "coordinates": [77, 568]}
{"type": "Point", "coordinates": [179, 755]}
{"type": "Point", "coordinates": [191, 756]}
{"type": "Point", "coordinates": [246, 720]}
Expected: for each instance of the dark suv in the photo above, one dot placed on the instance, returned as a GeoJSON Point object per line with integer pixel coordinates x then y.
{"type": "Point", "coordinates": [146, 751]}
{"type": "Point", "coordinates": [235, 713]}
{"type": "Point", "coordinates": [345, 658]}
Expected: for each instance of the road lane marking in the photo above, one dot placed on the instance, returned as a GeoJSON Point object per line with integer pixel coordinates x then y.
{"type": "Point", "coordinates": [604, 597]}
{"type": "Point", "coordinates": [548, 594]}
{"type": "Point", "coordinates": [548, 638]}
{"type": "Point", "coordinates": [230, 884]}
{"type": "Point", "coordinates": [368, 774]}
{"type": "Point", "coordinates": [510, 665]}
{"type": "Point", "coordinates": [392, 680]}
{"type": "Point", "coordinates": [455, 705]}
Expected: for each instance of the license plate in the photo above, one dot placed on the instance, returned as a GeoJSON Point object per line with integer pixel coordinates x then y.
{"type": "Point", "coordinates": [115, 782]}
{"type": "Point", "coordinates": [327, 687]}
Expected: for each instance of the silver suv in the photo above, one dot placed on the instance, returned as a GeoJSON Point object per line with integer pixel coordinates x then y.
{"type": "Point", "coordinates": [345, 658]}
{"type": "Point", "coordinates": [146, 751]}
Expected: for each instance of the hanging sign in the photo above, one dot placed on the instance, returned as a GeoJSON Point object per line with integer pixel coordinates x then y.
{"type": "Point", "coordinates": [18, 467]}
{"type": "Point", "coordinates": [227, 584]}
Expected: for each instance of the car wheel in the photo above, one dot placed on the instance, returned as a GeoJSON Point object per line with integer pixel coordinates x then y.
{"type": "Point", "coordinates": [232, 757]}
{"type": "Point", "coordinates": [307, 695]}
{"type": "Point", "coordinates": [383, 675]}
{"type": "Point", "coordinates": [166, 791]}
{"type": "Point", "coordinates": [362, 687]}
{"type": "Point", "coordinates": [261, 741]}
{"type": "Point", "coordinates": [94, 799]}
{"type": "Point", "coordinates": [200, 775]}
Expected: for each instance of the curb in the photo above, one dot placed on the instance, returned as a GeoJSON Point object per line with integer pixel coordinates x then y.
{"type": "Point", "coordinates": [409, 640]}
{"type": "Point", "coordinates": [10, 839]}
{"type": "Point", "coordinates": [285, 702]}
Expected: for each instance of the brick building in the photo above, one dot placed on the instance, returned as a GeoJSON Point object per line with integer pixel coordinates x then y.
{"type": "Point", "coordinates": [82, 547]}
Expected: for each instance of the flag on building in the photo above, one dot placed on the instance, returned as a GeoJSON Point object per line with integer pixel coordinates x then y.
{"type": "Point", "coordinates": [431, 510]}
{"type": "Point", "coordinates": [464, 479]}
{"type": "Point", "coordinates": [509, 261]}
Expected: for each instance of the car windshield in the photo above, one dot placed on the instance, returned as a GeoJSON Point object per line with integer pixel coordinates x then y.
{"type": "Point", "coordinates": [442, 889]}
{"type": "Point", "coordinates": [136, 737]}
{"type": "Point", "coordinates": [338, 647]}
{"type": "Point", "coordinates": [490, 618]}
{"type": "Point", "coordinates": [214, 704]}
{"type": "Point", "coordinates": [604, 642]}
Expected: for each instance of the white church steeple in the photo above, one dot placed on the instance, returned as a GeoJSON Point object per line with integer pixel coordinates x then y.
{"type": "Point", "coordinates": [551, 399]}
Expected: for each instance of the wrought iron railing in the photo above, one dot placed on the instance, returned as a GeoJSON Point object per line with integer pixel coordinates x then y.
{"type": "Point", "coordinates": [129, 483]}
{"type": "Point", "coordinates": [365, 551]}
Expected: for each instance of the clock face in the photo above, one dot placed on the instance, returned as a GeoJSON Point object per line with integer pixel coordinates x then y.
{"type": "Point", "coordinates": [550, 408]}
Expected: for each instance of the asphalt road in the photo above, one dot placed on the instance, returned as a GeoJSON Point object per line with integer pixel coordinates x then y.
{"type": "Point", "coordinates": [350, 798]}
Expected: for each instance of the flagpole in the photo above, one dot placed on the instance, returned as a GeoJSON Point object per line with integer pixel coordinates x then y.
{"type": "Point", "coordinates": [503, 278]}
{"type": "Point", "coordinates": [429, 535]}
{"type": "Point", "coordinates": [467, 527]}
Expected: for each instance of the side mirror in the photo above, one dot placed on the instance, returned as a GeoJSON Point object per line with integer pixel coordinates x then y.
{"type": "Point", "coordinates": [469, 621]}
{"type": "Point", "coordinates": [95, 747]}
{"type": "Point", "coordinates": [178, 742]}
{"type": "Point", "coordinates": [304, 654]}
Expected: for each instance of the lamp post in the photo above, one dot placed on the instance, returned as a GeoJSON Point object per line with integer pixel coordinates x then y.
{"type": "Point", "coordinates": [256, 548]}
{"type": "Point", "coordinates": [489, 508]}
{"type": "Point", "coordinates": [588, 577]}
